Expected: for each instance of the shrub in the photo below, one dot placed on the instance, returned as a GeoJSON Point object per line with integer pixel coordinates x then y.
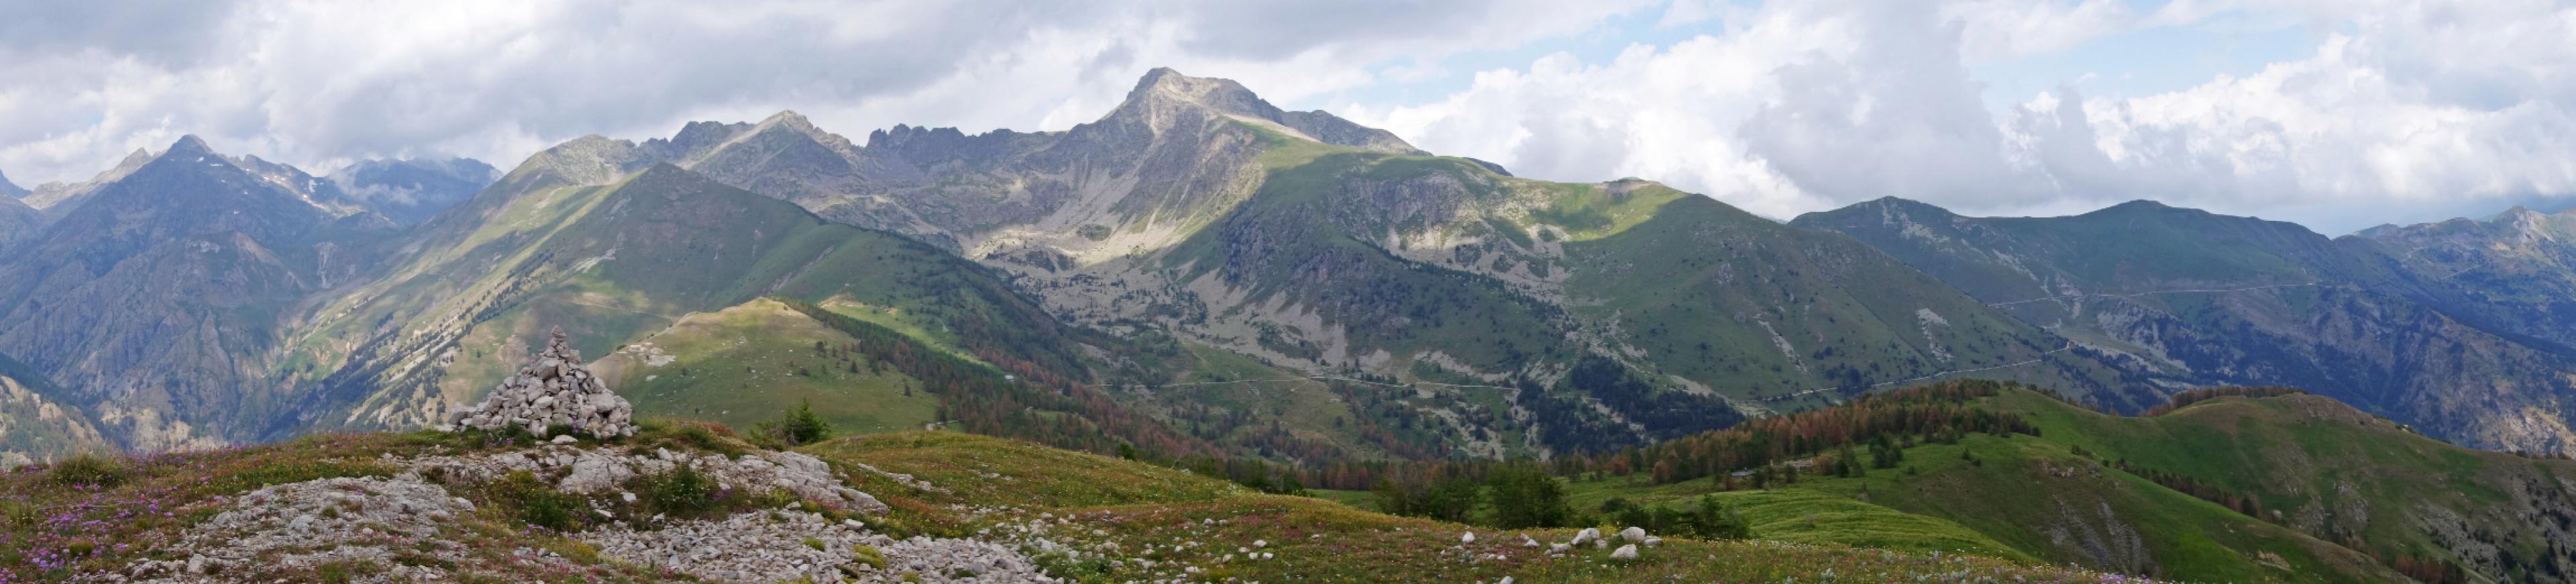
{"type": "Point", "coordinates": [868, 555]}
{"type": "Point", "coordinates": [1704, 518]}
{"type": "Point", "coordinates": [17, 513]}
{"type": "Point", "coordinates": [682, 490]}
{"type": "Point", "coordinates": [89, 469]}
{"type": "Point", "coordinates": [796, 427]}
{"type": "Point", "coordinates": [1422, 494]}
{"type": "Point", "coordinates": [536, 503]}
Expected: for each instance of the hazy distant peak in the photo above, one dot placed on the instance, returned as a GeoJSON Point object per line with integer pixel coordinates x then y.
{"type": "Point", "coordinates": [789, 119]}
{"type": "Point", "coordinates": [11, 190]}
{"type": "Point", "coordinates": [2517, 213]}
{"type": "Point", "coordinates": [411, 190]}
{"type": "Point", "coordinates": [2139, 205]}
{"type": "Point", "coordinates": [190, 145]}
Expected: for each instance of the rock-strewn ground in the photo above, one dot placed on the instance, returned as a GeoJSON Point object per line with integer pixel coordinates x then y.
{"type": "Point", "coordinates": [410, 522]}
{"type": "Point", "coordinates": [317, 522]}
{"type": "Point", "coordinates": [788, 544]}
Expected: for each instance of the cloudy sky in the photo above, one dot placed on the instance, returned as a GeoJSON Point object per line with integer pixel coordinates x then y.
{"type": "Point", "coordinates": [2339, 114]}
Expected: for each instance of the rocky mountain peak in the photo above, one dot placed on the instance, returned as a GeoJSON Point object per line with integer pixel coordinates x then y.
{"type": "Point", "coordinates": [791, 123]}
{"type": "Point", "coordinates": [789, 119]}
{"type": "Point", "coordinates": [1222, 95]}
{"type": "Point", "coordinates": [592, 159]}
{"type": "Point", "coordinates": [1163, 89]}
{"type": "Point", "coordinates": [189, 145]}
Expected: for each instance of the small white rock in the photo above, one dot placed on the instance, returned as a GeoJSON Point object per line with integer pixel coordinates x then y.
{"type": "Point", "coordinates": [1633, 534]}
{"type": "Point", "coordinates": [1625, 552]}
{"type": "Point", "coordinates": [1470, 537]}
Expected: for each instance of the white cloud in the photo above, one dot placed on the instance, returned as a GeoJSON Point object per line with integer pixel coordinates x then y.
{"type": "Point", "coordinates": [2410, 111]}
{"type": "Point", "coordinates": [2408, 108]}
{"type": "Point", "coordinates": [2421, 107]}
{"type": "Point", "coordinates": [2014, 28]}
{"type": "Point", "coordinates": [314, 83]}
{"type": "Point", "coordinates": [1796, 108]}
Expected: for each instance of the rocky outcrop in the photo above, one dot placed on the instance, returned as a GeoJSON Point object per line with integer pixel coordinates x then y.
{"type": "Point", "coordinates": [554, 391]}
{"type": "Point", "coordinates": [317, 522]}
{"type": "Point", "coordinates": [591, 471]}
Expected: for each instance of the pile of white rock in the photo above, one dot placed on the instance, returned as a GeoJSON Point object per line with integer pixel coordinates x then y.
{"type": "Point", "coordinates": [554, 391]}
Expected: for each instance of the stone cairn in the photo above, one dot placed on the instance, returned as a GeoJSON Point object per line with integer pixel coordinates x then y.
{"type": "Point", "coordinates": [554, 391]}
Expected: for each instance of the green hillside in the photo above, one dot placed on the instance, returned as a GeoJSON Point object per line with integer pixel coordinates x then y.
{"type": "Point", "coordinates": [2317, 465]}
{"type": "Point", "coordinates": [743, 364]}
{"type": "Point", "coordinates": [613, 264]}
{"type": "Point", "coordinates": [2289, 487]}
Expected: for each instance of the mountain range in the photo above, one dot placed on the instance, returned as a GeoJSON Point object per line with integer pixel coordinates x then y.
{"type": "Point", "coordinates": [2189, 298]}
{"type": "Point", "coordinates": [1200, 279]}
{"type": "Point", "coordinates": [1354, 295]}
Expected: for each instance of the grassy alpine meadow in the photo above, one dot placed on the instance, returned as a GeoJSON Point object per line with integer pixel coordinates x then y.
{"type": "Point", "coordinates": [1101, 518]}
{"type": "Point", "coordinates": [2226, 484]}
{"type": "Point", "coordinates": [738, 365]}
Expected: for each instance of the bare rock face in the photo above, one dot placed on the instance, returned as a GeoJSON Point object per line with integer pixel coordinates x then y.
{"type": "Point", "coordinates": [554, 391]}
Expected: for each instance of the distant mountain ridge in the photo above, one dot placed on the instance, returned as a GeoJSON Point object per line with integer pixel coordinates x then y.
{"type": "Point", "coordinates": [2198, 299]}
{"type": "Point", "coordinates": [151, 298]}
{"type": "Point", "coordinates": [11, 190]}
{"type": "Point", "coordinates": [409, 191]}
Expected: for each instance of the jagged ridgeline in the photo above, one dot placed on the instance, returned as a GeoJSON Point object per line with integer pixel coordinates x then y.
{"type": "Point", "coordinates": [1359, 296]}
{"type": "Point", "coordinates": [1261, 281]}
